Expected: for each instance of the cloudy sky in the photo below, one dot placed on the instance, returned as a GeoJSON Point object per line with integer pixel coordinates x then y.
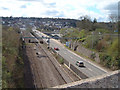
{"type": "Point", "coordinates": [99, 9]}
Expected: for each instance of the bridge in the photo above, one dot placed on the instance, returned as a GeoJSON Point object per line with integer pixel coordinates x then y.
{"type": "Point", "coordinates": [108, 80]}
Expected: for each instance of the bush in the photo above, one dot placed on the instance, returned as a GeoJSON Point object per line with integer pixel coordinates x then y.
{"type": "Point", "coordinates": [93, 55]}
{"type": "Point", "coordinates": [110, 62]}
{"type": "Point", "coordinates": [61, 60]}
{"type": "Point", "coordinates": [101, 45]}
{"type": "Point", "coordinates": [11, 50]}
{"type": "Point", "coordinates": [102, 30]}
{"type": "Point", "coordinates": [113, 49]}
{"type": "Point", "coordinates": [105, 60]}
{"type": "Point", "coordinates": [91, 41]}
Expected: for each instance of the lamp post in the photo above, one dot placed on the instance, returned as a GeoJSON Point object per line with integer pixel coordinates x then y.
{"type": "Point", "coordinates": [92, 39]}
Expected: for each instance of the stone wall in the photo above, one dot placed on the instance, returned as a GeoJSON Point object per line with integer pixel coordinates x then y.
{"type": "Point", "coordinates": [84, 51]}
{"type": "Point", "coordinates": [109, 80]}
{"type": "Point", "coordinates": [88, 53]}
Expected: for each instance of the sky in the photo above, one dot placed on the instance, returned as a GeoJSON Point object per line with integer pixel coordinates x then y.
{"type": "Point", "coordinates": [72, 9]}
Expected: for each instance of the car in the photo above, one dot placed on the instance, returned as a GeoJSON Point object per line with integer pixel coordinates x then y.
{"type": "Point", "coordinates": [56, 48]}
{"type": "Point", "coordinates": [41, 42]}
{"type": "Point", "coordinates": [34, 48]}
{"type": "Point", "coordinates": [80, 63]}
{"type": "Point", "coordinates": [42, 37]}
{"type": "Point", "coordinates": [38, 53]}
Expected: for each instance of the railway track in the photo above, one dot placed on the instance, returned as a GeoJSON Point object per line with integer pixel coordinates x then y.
{"type": "Point", "coordinates": [33, 65]}
{"type": "Point", "coordinates": [36, 72]}
{"type": "Point", "coordinates": [44, 71]}
{"type": "Point", "coordinates": [43, 51]}
{"type": "Point", "coordinates": [67, 70]}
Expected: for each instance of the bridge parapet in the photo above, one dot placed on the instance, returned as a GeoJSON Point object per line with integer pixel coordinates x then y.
{"type": "Point", "coordinates": [109, 80]}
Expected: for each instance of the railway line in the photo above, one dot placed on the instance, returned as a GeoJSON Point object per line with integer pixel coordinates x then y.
{"type": "Point", "coordinates": [45, 70]}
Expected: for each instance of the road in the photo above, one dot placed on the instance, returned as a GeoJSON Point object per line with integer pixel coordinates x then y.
{"type": "Point", "coordinates": [89, 70]}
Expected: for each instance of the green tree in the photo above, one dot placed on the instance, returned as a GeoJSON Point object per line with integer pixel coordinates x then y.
{"type": "Point", "coordinates": [95, 20]}
{"type": "Point", "coordinates": [85, 23]}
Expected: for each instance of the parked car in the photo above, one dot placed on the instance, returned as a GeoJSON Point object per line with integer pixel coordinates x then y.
{"type": "Point", "coordinates": [56, 48]}
{"type": "Point", "coordinates": [80, 63]}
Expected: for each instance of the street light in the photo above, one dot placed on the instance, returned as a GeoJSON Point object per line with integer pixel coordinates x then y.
{"type": "Point", "coordinates": [92, 39]}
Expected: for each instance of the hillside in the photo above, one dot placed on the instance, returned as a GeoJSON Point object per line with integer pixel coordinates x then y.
{"type": "Point", "coordinates": [12, 62]}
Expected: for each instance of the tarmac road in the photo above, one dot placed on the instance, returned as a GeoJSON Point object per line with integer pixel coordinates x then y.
{"type": "Point", "coordinates": [89, 70]}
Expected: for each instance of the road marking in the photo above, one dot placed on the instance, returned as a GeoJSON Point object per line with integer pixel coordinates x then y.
{"type": "Point", "coordinates": [71, 57]}
{"type": "Point", "coordinates": [87, 61]}
{"type": "Point", "coordinates": [65, 53]}
{"type": "Point", "coordinates": [90, 69]}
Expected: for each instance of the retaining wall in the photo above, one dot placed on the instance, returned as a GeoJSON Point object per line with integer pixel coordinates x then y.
{"type": "Point", "coordinates": [84, 51]}
{"type": "Point", "coordinates": [78, 72]}
{"type": "Point", "coordinates": [109, 80]}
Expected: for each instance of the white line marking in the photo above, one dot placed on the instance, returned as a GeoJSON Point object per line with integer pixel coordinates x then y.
{"type": "Point", "coordinates": [90, 69]}
{"type": "Point", "coordinates": [65, 53]}
{"type": "Point", "coordinates": [71, 57]}
{"type": "Point", "coordinates": [86, 60]}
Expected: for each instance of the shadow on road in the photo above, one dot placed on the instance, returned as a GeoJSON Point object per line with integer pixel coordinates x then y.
{"type": "Point", "coordinates": [82, 66]}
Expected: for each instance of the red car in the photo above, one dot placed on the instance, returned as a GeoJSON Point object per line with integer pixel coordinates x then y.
{"type": "Point", "coordinates": [56, 48]}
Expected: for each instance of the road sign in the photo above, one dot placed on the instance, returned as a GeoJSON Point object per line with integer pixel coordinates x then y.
{"type": "Point", "coordinates": [67, 44]}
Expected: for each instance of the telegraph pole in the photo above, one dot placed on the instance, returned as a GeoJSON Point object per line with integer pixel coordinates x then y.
{"type": "Point", "coordinates": [92, 40]}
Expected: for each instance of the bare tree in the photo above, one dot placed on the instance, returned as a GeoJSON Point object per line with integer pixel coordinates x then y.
{"type": "Point", "coordinates": [113, 18]}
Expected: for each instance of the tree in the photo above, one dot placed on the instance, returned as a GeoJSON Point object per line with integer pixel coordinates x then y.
{"type": "Point", "coordinates": [85, 17]}
{"type": "Point", "coordinates": [113, 18]}
{"type": "Point", "coordinates": [85, 23]}
{"type": "Point", "coordinates": [95, 20]}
